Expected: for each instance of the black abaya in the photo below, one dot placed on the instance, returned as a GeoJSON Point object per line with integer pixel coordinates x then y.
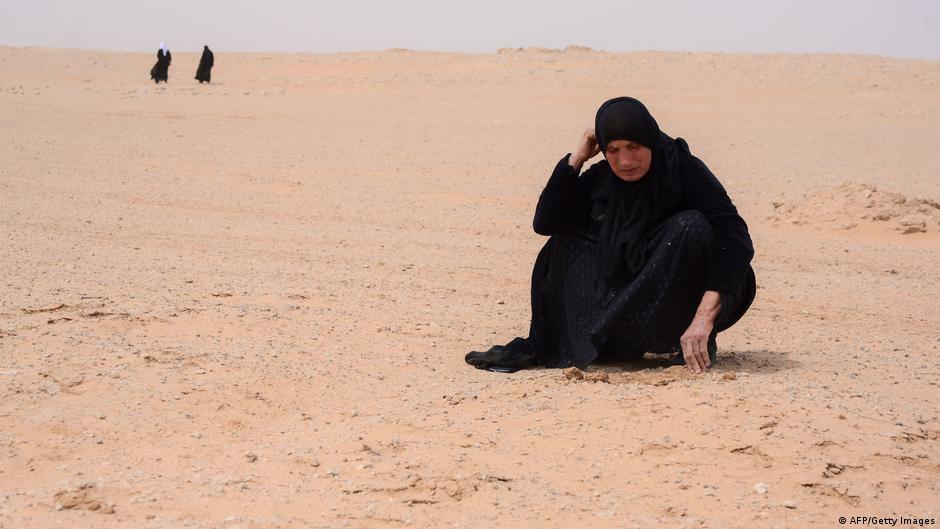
{"type": "Point", "coordinates": [576, 318]}
{"type": "Point", "coordinates": [204, 71]}
{"type": "Point", "coordinates": [629, 261]}
{"type": "Point", "coordinates": [161, 70]}
{"type": "Point", "coordinates": [699, 243]}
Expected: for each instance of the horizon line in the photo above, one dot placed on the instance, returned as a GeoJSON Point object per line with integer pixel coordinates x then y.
{"type": "Point", "coordinates": [570, 48]}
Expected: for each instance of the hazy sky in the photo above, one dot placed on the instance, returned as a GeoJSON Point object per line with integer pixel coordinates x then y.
{"type": "Point", "coordinates": [898, 28]}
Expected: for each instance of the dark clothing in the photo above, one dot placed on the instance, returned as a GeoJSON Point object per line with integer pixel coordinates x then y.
{"type": "Point", "coordinates": [697, 243]}
{"type": "Point", "coordinates": [625, 118]}
{"type": "Point", "coordinates": [628, 210]}
{"type": "Point", "coordinates": [161, 70]}
{"type": "Point", "coordinates": [204, 71]}
{"type": "Point", "coordinates": [576, 319]}
{"type": "Point", "coordinates": [570, 203]}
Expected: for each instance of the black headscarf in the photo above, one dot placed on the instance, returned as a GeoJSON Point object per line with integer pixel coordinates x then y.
{"type": "Point", "coordinates": [629, 210]}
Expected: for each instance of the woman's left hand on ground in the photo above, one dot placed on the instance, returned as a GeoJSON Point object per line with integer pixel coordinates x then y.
{"type": "Point", "coordinates": [694, 342]}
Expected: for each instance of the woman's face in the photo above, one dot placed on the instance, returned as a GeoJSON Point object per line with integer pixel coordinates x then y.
{"type": "Point", "coordinates": [629, 160]}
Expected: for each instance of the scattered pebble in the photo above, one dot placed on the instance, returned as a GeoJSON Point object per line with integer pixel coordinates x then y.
{"type": "Point", "coordinates": [573, 373]}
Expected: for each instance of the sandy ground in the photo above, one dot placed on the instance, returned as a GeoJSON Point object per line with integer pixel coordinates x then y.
{"type": "Point", "coordinates": [246, 305]}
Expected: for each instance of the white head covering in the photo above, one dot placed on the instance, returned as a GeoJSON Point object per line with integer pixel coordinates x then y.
{"type": "Point", "coordinates": [163, 46]}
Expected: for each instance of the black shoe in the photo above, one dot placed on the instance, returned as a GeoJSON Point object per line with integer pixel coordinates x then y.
{"type": "Point", "coordinates": [478, 359]}
{"type": "Point", "coordinates": [517, 354]}
{"type": "Point", "coordinates": [679, 359]}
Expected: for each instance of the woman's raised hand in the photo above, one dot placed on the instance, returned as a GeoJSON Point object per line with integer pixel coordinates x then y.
{"type": "Point", "coordinates": [586, 149]}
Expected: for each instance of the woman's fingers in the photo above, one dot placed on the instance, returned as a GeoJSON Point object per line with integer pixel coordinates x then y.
{"type": "Point", "coordinates": [694, 344]}
{"type": "Point", "coordinates": [697, 354]}
{"type": "Point", "coordinates": [587, 146]}
{"type": "Point", "coordinates": [694, 349]}
{"type": "Point", "coordinates": [689, 355]}
{"type": "Point", "coordinates": [701, 351]}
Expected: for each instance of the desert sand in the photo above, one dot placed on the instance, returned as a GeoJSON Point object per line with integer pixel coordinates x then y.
{"type": "Point", "coordinates": [246, 304]}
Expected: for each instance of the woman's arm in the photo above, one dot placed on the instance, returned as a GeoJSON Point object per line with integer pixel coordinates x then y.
{"type": "Point", "coordinates": [732, 249]}
{"type": "Point", "coordinates": [564, 203]}
{"type": "Point", "coordinates": [729, 258]}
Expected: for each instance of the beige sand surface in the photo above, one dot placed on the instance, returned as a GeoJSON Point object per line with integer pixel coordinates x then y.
{"type": "Point", "coordinates": [246, 305]}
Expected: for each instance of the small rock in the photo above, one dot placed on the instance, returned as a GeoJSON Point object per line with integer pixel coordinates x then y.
{"type": "Point", "coordinates": [573, 373]}
{"type": "Point", "coordinates": [769, 424]}
{"type": "Point", "coordinates": [51, 388]}
{"type": "Point", "coordinates": [789, 504]}
{"type": "Point", "coordinates": [761, 488]}
{"type": "Point", "coordinates": [598, 376]}
{"type": "Point", "coordinates": [82, 498]}
{"type": "Point", "coordinates": [912, 220]}
{"type": "Point", "coordinates": [729, 376]}
{"type": "Point", "coordinates": [251, 457]}
{"type": "Point", "coordinates": [907, 230]}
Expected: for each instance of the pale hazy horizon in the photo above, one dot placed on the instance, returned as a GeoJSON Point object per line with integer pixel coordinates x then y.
{"type": "Point", "coordinates": [906, 28]}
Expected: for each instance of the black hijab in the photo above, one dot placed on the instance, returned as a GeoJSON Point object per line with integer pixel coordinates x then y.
{"type": "Point", "coordinates": [629, 210]}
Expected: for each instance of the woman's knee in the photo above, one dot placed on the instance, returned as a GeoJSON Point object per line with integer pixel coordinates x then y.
{"type": "Point", "coordinates": [691, 223]}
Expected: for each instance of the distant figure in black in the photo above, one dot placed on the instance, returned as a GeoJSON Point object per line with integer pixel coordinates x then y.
{"type": "Point", "coordinates": [161, 70]}
{"type": "Point", "coordinates": [204, 72]}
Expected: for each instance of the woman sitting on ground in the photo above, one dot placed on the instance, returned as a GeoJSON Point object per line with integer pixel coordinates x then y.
{"type": "Point", "coordinates": [647, 253]}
